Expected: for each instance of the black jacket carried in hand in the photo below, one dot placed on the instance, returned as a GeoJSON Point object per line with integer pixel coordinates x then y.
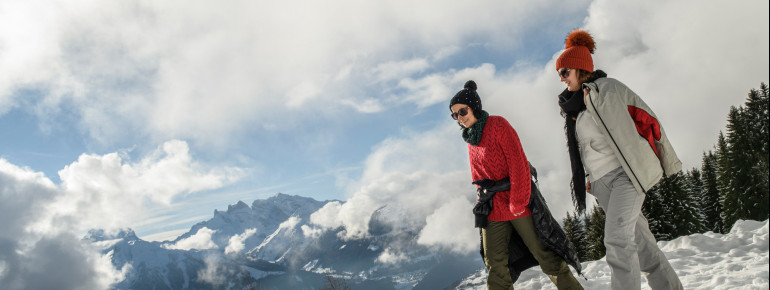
{"type": "Point", "coordinates": [485, 195]}
{"type": "Point", "coordinates": [547, 229]}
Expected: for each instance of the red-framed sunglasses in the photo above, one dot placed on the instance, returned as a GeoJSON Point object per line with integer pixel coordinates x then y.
{"type": "Point", "coordinates": [461, 112]}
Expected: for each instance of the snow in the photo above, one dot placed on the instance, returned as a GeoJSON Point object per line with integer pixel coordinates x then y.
{"type": "Point", "coordinates": [738, 260]}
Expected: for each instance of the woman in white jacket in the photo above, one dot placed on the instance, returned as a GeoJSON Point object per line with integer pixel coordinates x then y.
{"type": "Point", "coordinates": [618, 151]}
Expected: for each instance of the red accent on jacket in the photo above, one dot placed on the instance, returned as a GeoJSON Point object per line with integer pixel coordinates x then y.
{"type": "Point", "coordinates": [497, 156]}
{"type": "Point", "coordinates": [647, 126]}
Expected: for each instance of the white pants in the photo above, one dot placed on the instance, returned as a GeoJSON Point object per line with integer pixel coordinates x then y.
{"type": "Point", "coordinates": [631, 247]}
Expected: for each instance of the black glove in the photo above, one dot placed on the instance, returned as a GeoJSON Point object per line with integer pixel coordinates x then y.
{"type": "Point", "coordinates": [484, 183]}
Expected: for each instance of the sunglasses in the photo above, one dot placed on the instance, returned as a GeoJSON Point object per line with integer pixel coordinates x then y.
{"type": "Point", "coordinates": [564, 72]}
{"type": "Point", "coordinates": [461, 112]}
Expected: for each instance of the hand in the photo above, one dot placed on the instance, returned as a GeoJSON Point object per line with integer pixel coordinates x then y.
{"type": "Point", "coordinates": [585, 95]}
{"type": "Point", "coordinates": [588, 186]}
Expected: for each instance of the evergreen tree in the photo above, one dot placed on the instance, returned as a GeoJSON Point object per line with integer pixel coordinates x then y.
{"type": "Point", "coordinates": [657, 209]}
{"type": "Point", "coordinates": [573, 227]}
{"type": "Point", "coordinates": [736, 201]}
{"type": "Point", "coordinates": [724, 186]}
{"type": "Point", "coordinates": [711, 207]}
{"type": "Point", "coordinates": [756, 122]}
{"type": "Point", "coordinates": [595, 234]}
{"type": "Point", "coordinates": [694, 187]}
{"type": "Point", "coordinates": [680, 214]}
{"type": "Point", "coordinates": [746, 195]}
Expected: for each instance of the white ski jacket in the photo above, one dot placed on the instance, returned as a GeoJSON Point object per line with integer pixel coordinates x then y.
{"type": "Point", "coordinates": [633, 132]}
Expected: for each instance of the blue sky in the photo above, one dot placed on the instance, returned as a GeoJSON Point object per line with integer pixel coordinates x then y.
{"type": "Point", "coordinates": [151, 114]}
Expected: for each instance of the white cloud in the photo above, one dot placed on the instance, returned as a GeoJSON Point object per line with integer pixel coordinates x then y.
{"type": "Point", "coordinates": [311, 232]}
{"type": "Point", "coordinates": [23, 193]}
{"type": "Point", "coordinates": [407, 179]}
{"type": "Point", "coordinates": [41, 220]}
{"type": "Point", "coordinates": [436, 88]}
{"type": "Point", "coordinates": [201, 240]}
{"type": "Point", "coordinates": [391, 257]}
{"type": "Point", "coordinates": [236, 242]}
{"type": "Point", "coordinates": [441, 227]}
{"type": "Point", "coordinates": [173, 70]}
{"type": "Point", "coordinates": [327, 216]}
{"type": "Point", "coordinates": [109, 191]}
{"type": "Point", "coordinates": [27, 257]}
{"type": "Point", "coordinates": [213, 272]}
{"type": "Point", "coordinates": [395, 70]}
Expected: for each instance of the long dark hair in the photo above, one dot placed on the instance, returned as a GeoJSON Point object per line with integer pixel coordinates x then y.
{"type": "Point", "coordinates": [572, 104]}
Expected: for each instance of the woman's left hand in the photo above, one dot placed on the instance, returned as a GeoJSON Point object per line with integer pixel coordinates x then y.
{"type": "Point", "coordinates": [588, 186]}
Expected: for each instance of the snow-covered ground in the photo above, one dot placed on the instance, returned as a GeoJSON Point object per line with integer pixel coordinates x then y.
{"type": "Point", "coordinates": [738, 260]}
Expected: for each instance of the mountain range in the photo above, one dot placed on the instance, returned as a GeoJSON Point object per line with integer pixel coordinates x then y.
{"type": "Point", "coordinates": [272, 245]}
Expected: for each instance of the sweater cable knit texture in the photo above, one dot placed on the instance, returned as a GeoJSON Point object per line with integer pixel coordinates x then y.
{"type": "Point", "coordinates": [497, 156]}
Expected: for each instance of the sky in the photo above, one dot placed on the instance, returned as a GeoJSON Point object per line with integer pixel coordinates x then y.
{"type": "Point", "coordinates": [153, 114]}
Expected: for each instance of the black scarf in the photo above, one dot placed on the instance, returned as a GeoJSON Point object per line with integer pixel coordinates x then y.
{"type": "Point", "coordinates": [472, 135]}
{"type": "Point", "coordinates": [572, 103]}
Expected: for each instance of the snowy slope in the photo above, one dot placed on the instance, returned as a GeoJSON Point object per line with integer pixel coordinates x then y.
{"type": "Point", "coordinates": [738, 260]}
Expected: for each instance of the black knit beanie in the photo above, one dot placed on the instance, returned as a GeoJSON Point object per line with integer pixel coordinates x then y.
{"type": "Point", "coordinates": [467, 96]}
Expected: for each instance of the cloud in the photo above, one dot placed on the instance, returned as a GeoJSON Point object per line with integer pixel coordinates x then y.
{"type": "Point", "coordinates": [214, 271]}
{"type": "Point", "coordinates": [201, 240]}
{"type": "Point", "coordinates": [21, 190]}
{"type": "Point", "coordinates": [435, 88]}
{"type": "Point", "coordinates": [415, 182]}
{"type": "Point", "coordinates": [56, 259]}
{"type": "Point", "coordinates": [171, 70]}
{"type": "Point", "coordinates": [396, 70]}
{"type": "Point", "coordinates": [109, 191]}
{"type": "Point", "coordinates": [311, 232]}
{"type": "Point", "coordinates": [390, 257]}
{"type": "Point", "coordinates": [327, 216]}
{"type": "Point", "coordinates": [59, 262]}
{"type": "Point", "coordinates": [441, 227]}
{"type": "Point", "coordinates": [39, 243]}
{"type": "Point", "coordinates": [236, 242]}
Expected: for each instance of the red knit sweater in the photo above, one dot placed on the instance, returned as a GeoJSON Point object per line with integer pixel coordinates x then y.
{"type": "Point", "coordinates": [497, 156]}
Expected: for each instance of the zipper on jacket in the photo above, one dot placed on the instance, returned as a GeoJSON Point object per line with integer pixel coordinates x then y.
{"type": "Point", "coordinates": [613, 141]}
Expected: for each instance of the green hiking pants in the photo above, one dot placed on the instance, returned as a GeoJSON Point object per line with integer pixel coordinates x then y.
{"type": "Point", "coordinates": [496, 237]}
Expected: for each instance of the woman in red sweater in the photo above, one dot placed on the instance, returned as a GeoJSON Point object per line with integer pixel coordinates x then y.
{"type": "Point", "coordinates": [496, 156]}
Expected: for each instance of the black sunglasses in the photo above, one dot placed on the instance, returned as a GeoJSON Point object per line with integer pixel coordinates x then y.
{"type": "Point", "coordinates": [461, 112]}
{"type": "Point", "coordinates": [564, 72]}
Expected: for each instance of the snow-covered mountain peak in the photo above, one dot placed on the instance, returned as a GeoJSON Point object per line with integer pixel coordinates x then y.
{"type": "Point", "coordinates": [240, 205]}
{"type": "Point", "coordinates": [98, 235]}
{"type": "Point", "coordinates": [288, 205]}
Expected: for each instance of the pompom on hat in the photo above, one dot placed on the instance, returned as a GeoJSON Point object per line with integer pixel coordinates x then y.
{"type": "Point", "coordinates": [467, 96]}
{"type": "Point", "coordinates": [579, 46]}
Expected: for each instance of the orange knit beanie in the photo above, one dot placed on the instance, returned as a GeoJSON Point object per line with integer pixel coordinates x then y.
{"type": "Point", "coordinates": [579, 46]}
